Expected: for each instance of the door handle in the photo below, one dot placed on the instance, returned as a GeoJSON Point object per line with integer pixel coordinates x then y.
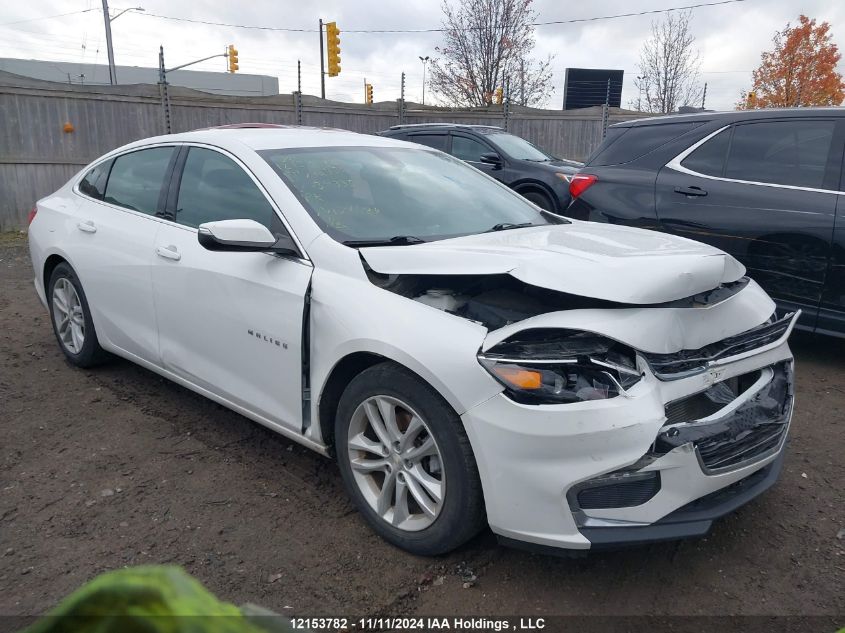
{"type": "Point", "coordinates": [168, 252]}
{"type": "Point", "coordinates": [691, 191]}
{"type": "Point", "coordinates": [87, 227]}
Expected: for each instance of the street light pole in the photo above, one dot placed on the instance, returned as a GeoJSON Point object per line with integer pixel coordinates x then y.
{"type": "Point", "coordinates": [424, 61]}
{"type": "Point", "coordinates": [108, 20]}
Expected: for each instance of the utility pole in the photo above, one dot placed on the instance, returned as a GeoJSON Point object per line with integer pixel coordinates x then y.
{"type": "Point", "coordinates": [322, 63]}
{"type": "Point", "coordinates": [107, 19]}
{"type": "Point", "coordinates": [299, 76]}
{"type": "Point", "coordinates": [704, 96]}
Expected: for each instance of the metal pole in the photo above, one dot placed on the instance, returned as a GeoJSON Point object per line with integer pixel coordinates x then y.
{"type": "Point", "coordinates": [423, 94]}
{"type": "Point", "coordinates": [605, 113]}
{"type": "Point", "coordinates": [162, 83]}
{"type": "Point", "coordinates": [507, 101]}
{"type": "Point", "coordinates": [522, 82]}
{"type": "Point", "coordinates": [107, 20]}
{"type": "Point", "coordinates": [299, 76]}
{"type": "Point", "coordinates": [297, 97]}
{"type": "Point", "coordinates": [704, 96]}
{"type": "Point", "coordinates": [402, 101]}
{"type": "Point", "coordinates": [322, 64]}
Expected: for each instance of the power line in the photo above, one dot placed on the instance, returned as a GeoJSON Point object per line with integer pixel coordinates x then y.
{"type": "Point", "coordinates": [50, 17]}
{"type": "Point", "coordinates": [437, 30]}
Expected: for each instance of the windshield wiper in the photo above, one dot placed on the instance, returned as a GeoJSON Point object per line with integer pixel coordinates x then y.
{"type": "Point", "coordinates": [506, 226]}
{"type": "Point", "coordinates": [396, 240]}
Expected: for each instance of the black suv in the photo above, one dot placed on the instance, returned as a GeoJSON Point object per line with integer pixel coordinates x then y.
{"type": "Point", "coordinates": [764, 185]}
{"type": "Point", "coordinates": [540, 177]}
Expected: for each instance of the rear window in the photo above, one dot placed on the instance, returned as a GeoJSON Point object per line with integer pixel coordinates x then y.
{"type": "Point", "coordinates": [622, 145]}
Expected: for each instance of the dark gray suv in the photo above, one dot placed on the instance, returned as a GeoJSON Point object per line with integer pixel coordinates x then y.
{"type": "Point", "coordinates": [540, 177]}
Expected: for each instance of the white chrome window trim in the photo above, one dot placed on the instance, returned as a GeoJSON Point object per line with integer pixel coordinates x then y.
{"type": "Point", "coordinates": [261, 188]}
{"type": "Point", "coordinates": [675, 164]}
{"type": "Point", "coordinates": [177, 145]}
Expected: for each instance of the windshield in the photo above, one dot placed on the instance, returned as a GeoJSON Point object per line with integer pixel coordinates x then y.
{"type": "Point", "coordinates": [519, 148]}
{"type": "Point", "coordinates": [379, 194]}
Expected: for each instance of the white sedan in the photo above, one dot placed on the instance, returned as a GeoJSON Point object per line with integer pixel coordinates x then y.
{"type": "Point", "coordinates": [468, 358]}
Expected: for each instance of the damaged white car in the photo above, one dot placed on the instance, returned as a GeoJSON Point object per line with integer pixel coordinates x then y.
{"type": "Point", "coordinates": [468, 358]}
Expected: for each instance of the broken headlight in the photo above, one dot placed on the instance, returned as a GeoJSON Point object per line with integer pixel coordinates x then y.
{"type": "Point", "coordinates": [560, 366]}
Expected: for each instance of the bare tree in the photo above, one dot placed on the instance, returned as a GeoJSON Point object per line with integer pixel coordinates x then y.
{"type": "Point", "coordinates": [487, 46]}
{"type": "Point", "coordinates": [669, 66]}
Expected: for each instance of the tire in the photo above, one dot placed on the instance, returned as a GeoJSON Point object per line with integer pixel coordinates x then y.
{"type": "Point", "coordinates": [452, 470]}
{"type": "Point", "coordinates": [540, 199]}
{"type": "Point", "coordinates": [64, 289]}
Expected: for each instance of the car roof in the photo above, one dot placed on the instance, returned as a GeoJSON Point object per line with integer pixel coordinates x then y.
{"type": "Point", "coordinates": [257, 138]}
{"type": "Point", "coordinates": [736, 115]}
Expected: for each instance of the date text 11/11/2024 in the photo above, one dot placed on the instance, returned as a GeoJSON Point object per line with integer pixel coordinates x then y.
{"type": "Point", "coordinates": [477, 624]}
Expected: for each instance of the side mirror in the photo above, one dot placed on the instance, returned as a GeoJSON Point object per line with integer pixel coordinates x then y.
{"type": "Point", "coordinates": [243, 236]}
{"type": "Point", "coordinates": [491, 158]}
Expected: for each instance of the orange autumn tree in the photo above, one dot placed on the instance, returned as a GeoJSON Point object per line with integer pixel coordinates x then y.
{"type": "Point", "coordinates": [800, 71]}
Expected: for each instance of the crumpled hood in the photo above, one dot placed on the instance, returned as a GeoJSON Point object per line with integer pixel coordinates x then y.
{"type": "Point", "coordinates": [601, 261]}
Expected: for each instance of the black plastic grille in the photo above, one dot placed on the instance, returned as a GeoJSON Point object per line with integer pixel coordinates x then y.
{"type": "Point", "coordinates": [710, 401]}
{"type": "Point", "coordinates": [622, 494]}
{"type": "Point", "coordinates": [716, 453]}
{"type": "Point", "coordinates": [689, 361]}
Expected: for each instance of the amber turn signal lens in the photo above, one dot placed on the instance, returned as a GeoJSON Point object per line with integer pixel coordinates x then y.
{"type": "Point", "coordinates": [518, 376]}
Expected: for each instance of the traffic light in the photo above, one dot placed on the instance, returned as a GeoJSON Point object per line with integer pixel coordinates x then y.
{"type": "Point", "coordinates": [368, 93]}
{"type": "Point", "coordinates": [333, 45]}
{"type": "Point", "coordinates": [232, 54]}
{"type": "Point", "coordinates": [499, 94]}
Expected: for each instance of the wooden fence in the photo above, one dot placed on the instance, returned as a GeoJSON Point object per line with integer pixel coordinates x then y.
{"type": "Point", "coordinates": [37, 156]}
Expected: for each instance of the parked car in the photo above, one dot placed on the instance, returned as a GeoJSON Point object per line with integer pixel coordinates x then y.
{"type": "Point", "coordinates": [466, 357]}
{"type": "Point", "coordinates": [522, 166]}
{"type": "Point", "coordinates": [765, 186]}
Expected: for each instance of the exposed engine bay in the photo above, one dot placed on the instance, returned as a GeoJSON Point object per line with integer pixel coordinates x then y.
{"type": "Point", "coordinates": [498, 300]}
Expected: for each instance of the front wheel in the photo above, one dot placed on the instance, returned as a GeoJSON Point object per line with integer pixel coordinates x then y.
{"type": "Point", "coordinates": [407, 462]}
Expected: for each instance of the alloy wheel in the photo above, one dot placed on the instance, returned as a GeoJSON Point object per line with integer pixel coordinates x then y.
{"type": "Point", "coordinates": [396, 463]}
{"type": "Point", "coordinates": [68, 316]}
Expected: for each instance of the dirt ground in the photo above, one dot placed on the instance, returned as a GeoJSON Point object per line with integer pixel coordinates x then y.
{"type": "Point", "coordinates": [114, 467]}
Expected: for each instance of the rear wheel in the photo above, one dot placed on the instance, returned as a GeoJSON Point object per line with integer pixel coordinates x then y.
{"type": "Point", "coordinates": [71, 318]}
{"type": "Point", "coordinates": [407, 462]}
{"type": "Point", "coordinates": [540, 199]}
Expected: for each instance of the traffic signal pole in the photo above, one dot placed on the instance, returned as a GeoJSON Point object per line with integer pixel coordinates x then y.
{"type": "Point", "coordinates": [322, 63]}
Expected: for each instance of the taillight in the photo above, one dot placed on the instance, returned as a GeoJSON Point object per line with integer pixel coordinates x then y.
{"type": "Point", "coordinates": [580, 183]}
{"type": "Point", "coordinates": [31, 215]}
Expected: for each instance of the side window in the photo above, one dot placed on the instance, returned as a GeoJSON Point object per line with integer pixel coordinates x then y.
{"type": "Point", "coordinates": [435, 141]}
{"type": "Point", "coordinates": [214, 187]}
{"type": "Point", "coordinates": [637, 141]}
{"type": "Point", "coordinates": [709, 158]}
{"type": "Point", "coordinates": [136, 179]}
{"type": "Point", "coordinates": [469, 149]}
{"type": "Point", "coordinates": [781, 152]}
{"type": "Point", "coordinates": [94, 183]}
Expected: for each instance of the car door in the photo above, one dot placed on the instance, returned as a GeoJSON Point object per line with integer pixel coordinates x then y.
{"type": "Point", "coordinates": [469, 149]}
{"type": "Point", "coordinates": [832, 309]}
{"type": "Point", "coordinates": [761, 191]}
{"type": "Point", "coordinates": [122, 200]}
{"type": "Point", "coordinates": [229, 322]}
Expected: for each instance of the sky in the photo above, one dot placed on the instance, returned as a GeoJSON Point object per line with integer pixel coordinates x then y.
{"type": "Point", "coordinates": [729, 38]}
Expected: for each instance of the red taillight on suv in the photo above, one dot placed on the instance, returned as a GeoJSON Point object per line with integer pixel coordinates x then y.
{"type": "Point", "coordinates": [580, 183]}
{"type": "Point", "coordinates": [31, 215]}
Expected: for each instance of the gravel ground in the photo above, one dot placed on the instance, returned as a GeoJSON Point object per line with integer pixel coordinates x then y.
{"type": "Point", "coordinates": [116, 466]}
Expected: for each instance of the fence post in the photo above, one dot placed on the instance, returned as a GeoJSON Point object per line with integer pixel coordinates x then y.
{"type": "Point", "coordinates": [402, 101]}
{"type": "Point", "coordinates": [162, 89]}
{"type": "Point", "coordinates": [605, 111]}
{"type": "Point", "coordinates": [506, 107]}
